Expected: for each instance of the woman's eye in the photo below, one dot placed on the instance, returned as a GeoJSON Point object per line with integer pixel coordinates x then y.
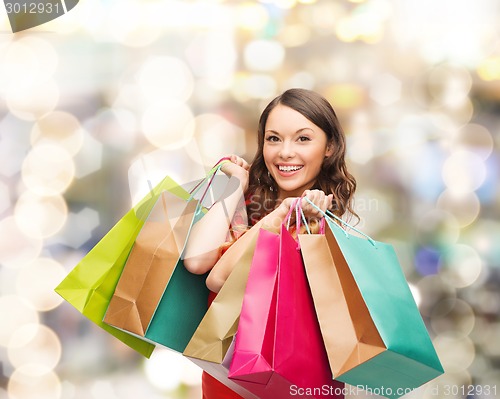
{"type": "Point", "coordinates": [304, 138]}
{"type": "Point", "coordinates": [272, 138]}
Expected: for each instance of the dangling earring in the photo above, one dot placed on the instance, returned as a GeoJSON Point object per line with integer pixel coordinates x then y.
{"type": "Point", "coordinates": [271, 179]}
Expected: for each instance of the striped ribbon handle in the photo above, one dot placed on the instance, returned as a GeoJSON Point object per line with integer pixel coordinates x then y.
{"type": "Point", "coordinates": [333, 217]}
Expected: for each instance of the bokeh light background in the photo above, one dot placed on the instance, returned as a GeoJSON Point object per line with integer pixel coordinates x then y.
{"type": "Point", "coordinates": [117, 90]}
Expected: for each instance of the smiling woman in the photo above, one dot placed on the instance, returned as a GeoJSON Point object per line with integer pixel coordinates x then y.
{"type": "Point", "coordinates": [301, 153]}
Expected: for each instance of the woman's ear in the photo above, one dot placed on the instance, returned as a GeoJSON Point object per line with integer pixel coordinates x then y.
{"type": "Point", "coordinates": [329, 150]}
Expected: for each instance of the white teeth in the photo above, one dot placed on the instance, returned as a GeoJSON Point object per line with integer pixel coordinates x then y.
{"type": "Point", "coordinates": [289, 168]}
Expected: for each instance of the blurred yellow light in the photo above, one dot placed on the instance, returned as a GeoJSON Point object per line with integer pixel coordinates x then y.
{"type": "Point", "coordinates": [489, 69]}
{"type": "Point", "coordinates": [294, 35]}
{"type": "Point", "coordinates": [264, 55]}
{"type": "Point", "coordinates": [168, 124]}
{"type": "Point", "coordinates": [16, 312]}
{"type": "Point", "coordinates": [346, 30]}
{"type": "Point", "coordinates": [34, 101]}
{"type": "Point", "coordinates": [346, 96]}
{"type": "Point", "coordinates": [59, 128]}
{"type": "Point", "coordinates": [251, 16]}
{"type": "Point", "coordinates": [463, 172]}
{"type": "Point", "coordinates": [307, 1]}
{"type": "Point", "coordinates": [16, 248]}
{"type": "Point", "coordinates": [165, 77]}
{"type": "Point", "coordinates": [32, 381]}
{"type": "Point", "coordinates": [34, 344]}
{"type": "Point", "coordinates": [36, 282]}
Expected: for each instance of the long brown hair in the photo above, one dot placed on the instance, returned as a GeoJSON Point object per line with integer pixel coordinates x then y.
{"type": "Point", "coordinates": [334, 178]}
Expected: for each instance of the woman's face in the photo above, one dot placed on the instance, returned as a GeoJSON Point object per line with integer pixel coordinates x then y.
{"type": "Point", "coordinates": [294, 150]}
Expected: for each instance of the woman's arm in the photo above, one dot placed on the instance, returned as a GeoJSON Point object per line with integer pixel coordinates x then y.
{"type": "Point", "coordinates": [207, 235]}
{"type": "Point", "coordinates": [272, 222]}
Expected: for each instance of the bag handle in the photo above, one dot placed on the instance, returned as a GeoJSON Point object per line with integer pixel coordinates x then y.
{"type": "Point", "coordinates": [330, 215]}
{"type": "Point", "coordinates": [209, 177]}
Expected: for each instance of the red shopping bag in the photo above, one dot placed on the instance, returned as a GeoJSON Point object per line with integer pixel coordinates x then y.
{"type": "Point", "coordinates": [279, 351]}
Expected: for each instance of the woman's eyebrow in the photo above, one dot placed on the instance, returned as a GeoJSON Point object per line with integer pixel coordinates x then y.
{"type": "Point", "coordinates": [298, 131]}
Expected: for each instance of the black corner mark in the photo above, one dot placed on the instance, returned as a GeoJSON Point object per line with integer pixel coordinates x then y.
{"type": "Point", "coordinates": [26, 14]}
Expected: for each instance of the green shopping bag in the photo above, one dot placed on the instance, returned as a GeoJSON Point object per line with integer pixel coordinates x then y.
{"type": "Point", "coordinates": [373, 331]}
{"type": "Point", "coordinates": [156, 298]}
{"type": "Point", "coordinates": [90, 285]}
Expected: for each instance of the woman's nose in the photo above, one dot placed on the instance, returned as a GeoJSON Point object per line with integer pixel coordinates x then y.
{"type": "Point", "coordinates": [287, 151]}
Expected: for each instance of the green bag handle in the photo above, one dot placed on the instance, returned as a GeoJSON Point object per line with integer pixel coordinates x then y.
{"type": "Point", "coordinates": [209, 177]}
{"type": "Point", "coordinates": [331, 216]}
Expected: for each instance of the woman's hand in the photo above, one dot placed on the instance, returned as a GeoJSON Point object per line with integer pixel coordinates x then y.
{"type": "Point", "coordinates": [238, 168]}
{"type": "Point", "coordinates": [318, 198]}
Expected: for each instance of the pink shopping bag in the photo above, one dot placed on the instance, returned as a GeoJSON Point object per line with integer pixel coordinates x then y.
{"type": "Point", "coordinates": [279, 351]}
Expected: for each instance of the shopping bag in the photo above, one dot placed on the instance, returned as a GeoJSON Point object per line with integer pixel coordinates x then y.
{"type": "Point", "coordinates": [216, 330]}
{"type": "Point", "coordinates": [90, 285]}
{"type": "Point", "coordinates": [212, 344]}
{"type": "Point", "coordinates": [371, 326]}
{"type": "Point", "coordinates": [279, 350]}
{"type": "Point", "coordinates": [156, 297]}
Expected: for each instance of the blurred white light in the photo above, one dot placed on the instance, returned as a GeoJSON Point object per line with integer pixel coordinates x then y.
{"type": "Point", "coordinates": [33, 102]}
{"type": "Point", "coordinates": [216, 137]}
{"type": "Point", "coordinates": [103, 389]}
{"type": "Point", "coordinates": [168, 124]}
{"type": "Point", "coordinates": [165, 77]}
{"type": "Point", "coordinates": [18, 67]}
{"type": "Point", "coordinates": [385, 89]}
{"type": "Point", "coordinates": [60, 128]}
{"type": "Point", "coordinates": [463, 172]}
{"type": "Point", "coordinates": [259, 86]}
{"type": "Point", "coordinates": [16, 248]}
{"type": "Point", "coordinates": [476, 138]}
{"type": "Point", "coordinates": [46, 56]}
{"type": "Point", "coordinates": [264, 55]}
{"type": "Point", "coordinates": [48, 170]}
{"type": "Point", "coordinates": [16, 312]}
{"type": "Point", "coordinates": [129, 23]}
{"type": "Point", "coordinates": [213, 56]}
{"type": "Point", "coordinates": [464, 206]}
{"type": "Point", "coordinates": [191, 373]}
{"type": "Point", "coordinates": [34, 344]}
{"type": "Point", "coordinates": [5, 202]}
{"type": "Point", "coordinates": [462, 266]}
{"type": "Point", "coordinates": [32, 381]}
{"type": "Point", "coordinates": [456, 352]}
{"type": "Point", "coordinates": [163, 370]}
{"type": "Point", "coordinates": [36, 282]}
{"type": "Point", "coordinates": [40, 217]}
